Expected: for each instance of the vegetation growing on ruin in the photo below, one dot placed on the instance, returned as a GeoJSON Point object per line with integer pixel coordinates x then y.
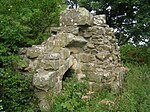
{"type": "Point", "coordinates": [133, 98]}
{"type": "Point", "coordinates": [25, 22]}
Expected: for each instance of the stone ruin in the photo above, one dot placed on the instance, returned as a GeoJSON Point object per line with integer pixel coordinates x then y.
{"type": "Point", "coordinates": [84, 43]}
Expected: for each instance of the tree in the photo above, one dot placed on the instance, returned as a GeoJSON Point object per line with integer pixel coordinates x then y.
{"type": "Point", "coordinates": [131, 18]}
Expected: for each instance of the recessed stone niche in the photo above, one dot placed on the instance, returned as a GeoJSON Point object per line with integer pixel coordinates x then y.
{"type": "Point", "coordinates": [84, 43]}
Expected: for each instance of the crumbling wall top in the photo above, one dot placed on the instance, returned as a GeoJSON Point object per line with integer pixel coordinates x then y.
{"type": "Point", "coordinates": [72, 17]}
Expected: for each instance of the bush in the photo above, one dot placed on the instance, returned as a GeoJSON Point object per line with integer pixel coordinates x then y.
{"type": "Point", "coordinates": [16, 92]}
{"type": "Point", "coordinates": [134, 55]}
{"type": "Point", "coordinates": [22, 23]}
{"type": "Point", "coordinates": [69, 99]}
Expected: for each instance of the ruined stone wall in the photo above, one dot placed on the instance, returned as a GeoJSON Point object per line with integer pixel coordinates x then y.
{"type": "Point", "coordinates": [84, 43]}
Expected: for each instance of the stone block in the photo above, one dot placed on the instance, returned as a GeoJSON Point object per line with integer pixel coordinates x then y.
{"type": "Point", "coordinates": [86, 58]}
{"type": "Point", "coordinates": [49, 64]}
{"type": "Point", "coordinates": [58, 87]}
{"type": "Point", "coordinates": [79, 16]}
{"type": "Point", "coordinates": [56, 49]}
{"type": "Point", "coordinates": [98, 30]}
{"type": "Point", "coordinates": [51, 56]}
{"type": "Point", "coordinates": [87, 34]}
{"type": "Point", "coordinates": [32, 65]}
{"type": "Point", "coordinates": [91, 46]}
{"type": "Point", "coordinates": [42, 80]}
{"type": "Point", "coordinates": [99, 19]}
{"type": "Point", "coordinates": [88, 67]}
{"type": "Point", "coordinates": [32, 53]}
{"type": "Point", "coordinates": [65, 53]}
{"type": "Point", "coordinates": [75, 41]}
{"type": "Point", "coordinates": [58, 43]}
{"type": "Point", "coordinates": [67, 64]}
{"type": "Point", "coordinates": [104, 47]}
{"type": "Point", "coordinates": [102, 56]}
{"type": "Point", "coordinates": [54, 30]}
{"type": "Point", "coordinates": [70, 29]}
{"type": "Point", "coordinates": [22, 51]}
{"type": "Point", "coordinates": [93, 77]}
{"type": "Point", "coordinates": [70, 40]}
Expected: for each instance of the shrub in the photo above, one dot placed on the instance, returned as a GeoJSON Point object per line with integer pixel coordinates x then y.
{"type": "Point", "coordinates": [69, 98]}
{"type": "Point", "coordinates": [22, 23]}
{"type": "Point", "coordinates": [16, 92]}
{"type": "Point", "coordinates": [134, 55]}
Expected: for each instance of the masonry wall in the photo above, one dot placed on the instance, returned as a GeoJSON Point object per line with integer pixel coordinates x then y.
{"type": "Point", "coordinates": [84, 43]}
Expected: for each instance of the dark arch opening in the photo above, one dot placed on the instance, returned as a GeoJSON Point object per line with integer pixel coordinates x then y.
{"type": "Point", "coordinates": [68, 74]}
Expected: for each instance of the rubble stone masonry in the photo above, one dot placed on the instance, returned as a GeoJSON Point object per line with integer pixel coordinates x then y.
{"type": "Point", "coordinates": [84, 43]}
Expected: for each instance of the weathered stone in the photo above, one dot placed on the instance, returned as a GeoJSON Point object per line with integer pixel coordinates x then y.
{"type": "Point", "coordinates": [75, 41]}
{"type": "Point", "coordinates": [22, 51]}
{"type": "Point", "coordinates": [54, 30]}
{"type": "Point", "coordinates": [22, 64]}
{"type": "Point", "coordinates": [52, 56]}
{"type": "Point", "coordinates": [68, 63]}
{"type": "Point", "coordinates": [99, 19]}
{"type": "Point", "coordinates": [86, 58]}
{"type": "Point", "coordinates": [98, 30]}
{"type": "Point", "coordinates": [49, 64]}
{"type": "Point", "coordinates": [97, 37]}
{"type": "Point", "coordinates": [65, 53]}
{"type": "Point", "coordinates": [88, 67]}
{"type": "Point", "coordinates": [99, 43]}
{"type": "Point", "coordinates": [87, 34]}
{"type": "Point", "coordinates": [75, 50]}
{"type": "Point", "coordinates": [56, 49]}
{"type": "Point", "coordinates": [102, 56]}
{"type": "Point", "coordinates": [80, 16]}
{"type": "Point", "coordinates": [58, 87]}
{"type": "Point", "coordinates": [32, 65]}
{"type": "Point", "coordinates": [91, 46]}
{"type": "Point", "coordinates": [41, 80]}
{"type": "Point", "coordinates": [70, 40]}
{"type": "Point", "coordinates": [93, 77]}
{"type": "Point", "coordinates": [32, 53]}
{"type": "Point", "coordinates": [94, 51]}
{"type": "Point", "coordinates": [70, 29]}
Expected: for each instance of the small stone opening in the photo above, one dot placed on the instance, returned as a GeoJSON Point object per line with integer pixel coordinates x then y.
{"type": "Point", "coordinates": [68, 74]}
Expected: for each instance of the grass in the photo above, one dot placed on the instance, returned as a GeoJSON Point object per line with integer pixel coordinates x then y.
{"type": "Point", "coordinates": [134, 98]}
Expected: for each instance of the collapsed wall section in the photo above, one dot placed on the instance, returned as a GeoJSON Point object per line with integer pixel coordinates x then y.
{"type": "Point", "coordinates": [84, 43]}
